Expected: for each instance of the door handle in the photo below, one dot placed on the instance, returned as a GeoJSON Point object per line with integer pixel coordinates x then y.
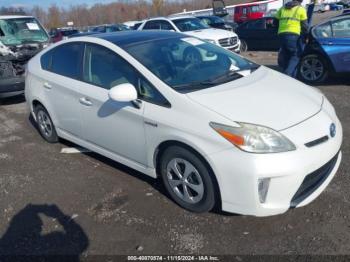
{"type": "Point", "coordinates": [85, 101]}
{"type": "Point", "coordinates": [47, 86]}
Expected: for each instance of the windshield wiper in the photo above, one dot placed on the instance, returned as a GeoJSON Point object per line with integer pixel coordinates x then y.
{"type": "Point", "coordinates": [226, 77]}
{"type": "Point", "coordinates": [221, 79]}
{"type": "Point", "coordinates": [193, 86]}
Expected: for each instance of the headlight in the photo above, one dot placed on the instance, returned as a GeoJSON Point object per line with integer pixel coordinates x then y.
{"type": "Point", "coordinates": [254, 138]}
{"type": "Point", "coordinates": [210, 41]}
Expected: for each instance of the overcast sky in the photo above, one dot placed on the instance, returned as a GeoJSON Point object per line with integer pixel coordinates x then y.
{"type": "Point", "coordinates": [46, 3]}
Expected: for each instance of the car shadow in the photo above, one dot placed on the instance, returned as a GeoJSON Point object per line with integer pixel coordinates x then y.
{"type": "Point", "coordinates": [27, 236]}
{"type": "Point", "coordinates": [12, 100]}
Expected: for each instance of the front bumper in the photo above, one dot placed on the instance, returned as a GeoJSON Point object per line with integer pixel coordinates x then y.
{"type": "Point", "coordinates": [11, 86]}
{"type": "Point", "coordinates": [238, 173]}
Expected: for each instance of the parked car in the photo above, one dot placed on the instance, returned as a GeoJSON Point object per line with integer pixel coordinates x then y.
{"type": "Point", "coordinates": [344, 4]}
{"type": "Point", "coordinates": [59, 34]}
{"type": "Point", "coordinates": [21, 37]}
{"type": "Point", "coordinates": [193, 26]}
{"type": "Point", "coordinates": [346, 11]}
{"type": "Point", "coordinates": [217, 22]}
{"type": "Point", "coordinates": [328, 51]}
{"type": "Point", "coordinates": [335, 7]}
{"type": "Point", "coordinates": [319, 8]}
{"type": "Point", "coordinates": [249, 11]}
{"type": "Point", "coordinates": [103, 29]}
{"type": "Point", "coordinates": [216, 131]}
{"type": "Point", "coordinates": [110, 28]}
{"type": "Point", "coordinates": [259, 34]}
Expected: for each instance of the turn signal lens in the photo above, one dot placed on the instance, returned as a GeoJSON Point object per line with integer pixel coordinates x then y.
{"type": "Point", "coordinates": [234, 139]}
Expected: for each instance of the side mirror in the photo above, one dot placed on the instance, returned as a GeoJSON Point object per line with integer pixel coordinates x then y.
{"type": "Point", "coordinates": [123, 93]}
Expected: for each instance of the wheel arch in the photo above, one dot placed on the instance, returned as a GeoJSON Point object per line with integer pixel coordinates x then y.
{"type": "Point", "coordinates": [323, 56]}
{"type": "Point", "coordinates": [160, 149]}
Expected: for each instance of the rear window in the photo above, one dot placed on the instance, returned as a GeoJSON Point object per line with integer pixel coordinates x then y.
{"type": "Point", "coordinates": [69, 32]}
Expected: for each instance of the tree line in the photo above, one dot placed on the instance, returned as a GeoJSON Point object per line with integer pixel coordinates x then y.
{"type": "Point", "coordinates": [115, 12]}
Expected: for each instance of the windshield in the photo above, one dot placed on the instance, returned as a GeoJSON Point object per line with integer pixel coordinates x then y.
{"type": "Point", "coordinates": [19, 31]}
{"type": "Point", "coordinates": [189, 24]}
{"type": "Point", "coordinates": [187, 64]}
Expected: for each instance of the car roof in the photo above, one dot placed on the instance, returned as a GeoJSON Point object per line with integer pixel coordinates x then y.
{"type": "Point", "coordinates": [181, 17]}
{"type": "Point", "coordinates": [14, 16]}
{"type": "Point", "coordinates": [125, 38]}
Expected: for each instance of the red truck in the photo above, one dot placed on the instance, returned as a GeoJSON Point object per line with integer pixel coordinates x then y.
{"type": "Point", "coordinates": [250, 11]}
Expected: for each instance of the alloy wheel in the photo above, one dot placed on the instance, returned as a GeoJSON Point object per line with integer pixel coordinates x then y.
{"type": "Point", "coordinates": [312, 69]}
{"type": "Point", "coordinates": [45, 123]}
{"type": "Point", "coordinates": [185, 180]}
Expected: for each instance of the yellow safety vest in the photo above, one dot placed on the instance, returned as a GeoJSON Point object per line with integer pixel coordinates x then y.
{"type": "Point", "coordinates": [290, 19]}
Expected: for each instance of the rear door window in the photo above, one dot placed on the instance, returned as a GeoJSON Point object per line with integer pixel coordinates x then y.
{"type": "Point", "coordinates": [341, 28]}
{"type": "Point", "coordinates": [66, 60]}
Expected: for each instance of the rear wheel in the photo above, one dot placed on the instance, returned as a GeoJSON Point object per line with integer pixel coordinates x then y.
{"type": "Point", "coordinates": [313, 69]}
{"type": "Point", "coordinates": [45, 124]}
{"type": "Point", "coordinates": [244, 46]}
{"type": "Point", "coordinates": [187, 179]}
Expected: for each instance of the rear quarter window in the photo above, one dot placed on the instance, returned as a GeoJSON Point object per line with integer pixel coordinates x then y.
{"type": "Point", "coordinates": [45, 60]}
{"type": "Point", "coordinates": [66, 60]}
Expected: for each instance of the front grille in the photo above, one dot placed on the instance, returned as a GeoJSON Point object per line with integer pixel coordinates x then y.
{"type": "Point", "coordinates": [317, 141]}
{"type": "Point", "coordinates": [313, 181]}
{"type": "Point", "coordinates": [226, 42]}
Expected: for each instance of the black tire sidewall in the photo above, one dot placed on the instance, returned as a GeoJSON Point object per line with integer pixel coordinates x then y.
{"type": "Point", "coordinates": [54, 137]}
{"type": "Point", "coordinates": [324, 74]}
{"type": "Point", "coordinates": [209, 198]}
{"type": "Point", "coordinates": [244, 44]}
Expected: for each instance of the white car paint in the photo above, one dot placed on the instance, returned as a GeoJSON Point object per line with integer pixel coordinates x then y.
{"type": "Point", "coordinates": [212, 34]}
{"type": "Point", "coordinates": [264, 97]}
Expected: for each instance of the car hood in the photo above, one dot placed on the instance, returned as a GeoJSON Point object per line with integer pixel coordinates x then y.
{"type": "Point", "coordinates": [265, 97]}
{"type": "Point", "coordinates": [211, 33]}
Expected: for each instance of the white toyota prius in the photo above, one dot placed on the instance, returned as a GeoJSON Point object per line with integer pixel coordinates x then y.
{"type": "Point", "coordinates": [219, 130]}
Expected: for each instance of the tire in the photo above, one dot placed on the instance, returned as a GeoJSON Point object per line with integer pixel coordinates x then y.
{"type": "Point", "coordinates": [197, 181]}
{"type": "Point", "coordinates": [45, 125]}
{"type": "Point", "coordinates": [313, 69]}
{"type": "Point", "coordinates": [244, 46]}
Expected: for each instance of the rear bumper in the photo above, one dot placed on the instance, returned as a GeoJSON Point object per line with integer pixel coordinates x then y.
{"type": "Point", "coordinates": [11, 86]}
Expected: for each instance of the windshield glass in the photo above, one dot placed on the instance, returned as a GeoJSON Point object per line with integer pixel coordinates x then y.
{"type": "Point", "coordinates": [187, 64]}
{"type": "Point", "coordinates": [189, 24]}
{"type": "Point", "coordinates": [19, 31]}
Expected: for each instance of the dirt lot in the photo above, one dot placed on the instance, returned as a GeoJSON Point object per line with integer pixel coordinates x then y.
{"type": "Point", "coordinates": [84, 204]}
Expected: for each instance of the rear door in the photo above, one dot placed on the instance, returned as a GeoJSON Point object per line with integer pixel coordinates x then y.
{"type": "Point", "coordinates": [339, 45]}
{"type": "Point", "coordinates": [334, 38]}
{"type": "Point", "coordinates": [254, 33]}
{"type": "Point", "coordinates": [62, 86]}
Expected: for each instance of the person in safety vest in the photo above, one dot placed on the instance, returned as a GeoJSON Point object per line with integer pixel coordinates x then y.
{"type": "Point", "coordinates": [292, 25]}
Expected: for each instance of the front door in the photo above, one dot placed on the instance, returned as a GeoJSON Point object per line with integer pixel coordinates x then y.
{"type": "Point", "coordinates": [114, 126]}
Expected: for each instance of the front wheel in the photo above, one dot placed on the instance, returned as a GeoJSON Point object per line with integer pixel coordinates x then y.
{"type": "Point", "coordinates": [313, 69]}
{"type": "Point", "coordinates": [187, 179]}
{"type": "Point", "coordinates": [244, 46]}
